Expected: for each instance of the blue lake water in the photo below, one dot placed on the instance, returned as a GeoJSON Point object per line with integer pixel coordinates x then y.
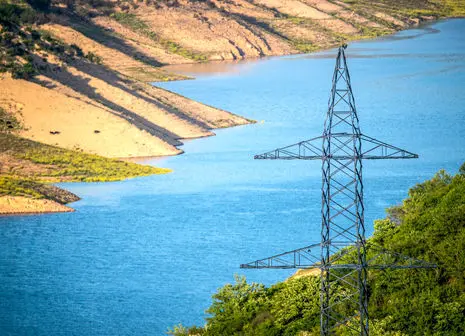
{"type": "Point", "coordinates": [141, 255]}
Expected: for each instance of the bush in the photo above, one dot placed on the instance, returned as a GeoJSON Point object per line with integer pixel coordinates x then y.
{"type": "Point", "coordinates": [77, 50]}
{"type": "Point", "coordinates": [8, 122]}
{"type": "Point", "coordinates": [18, 187]}
{"type": "Point", "coordinates": [42, 5]}
{"type": "Point", "coordinates": [94, 58]}
{"type": "Point", "coordinates": [26, 71]}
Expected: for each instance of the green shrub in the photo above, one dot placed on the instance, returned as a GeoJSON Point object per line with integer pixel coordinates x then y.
{"type": "Point", "coordinates": [26, 71]}
{"type": "Point", "coordinates": [42, 5]}
{"type": "Point", "coordinates": [94, 58]}
{"type": "Point", "coordinates": [132, 21]}
{"type": "Point", "coordinates": [14, 186]}
{"type": "Point", "coordinates": [77, 50]}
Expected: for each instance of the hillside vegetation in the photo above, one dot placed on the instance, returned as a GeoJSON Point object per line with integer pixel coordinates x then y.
{"type": "Point", "coordinates": [54, 164]}
{"type": "Point", "coordinates": [63, 106]}
{"type": "Point", "coordinates": [183, 31]}
{"type": "Point", "coordinates": [429, 225]}
{"type": "Point", "coordinates": [96, 57]}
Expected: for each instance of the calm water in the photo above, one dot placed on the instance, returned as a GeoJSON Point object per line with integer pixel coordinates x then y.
{"type": "Point", "coordinates": [141, 255]}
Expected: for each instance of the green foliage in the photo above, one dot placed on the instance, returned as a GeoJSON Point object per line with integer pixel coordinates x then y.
{"type": "Point", "coordinates": [13, 14]}
{"type": "Point", "coordinates": [429, 225]}
{"type": "Point", "coordinates": [180, 330]}
{"type": "Point", "coordinates": [296, 20]}
{"type": "Point", "coordinates": [20, 43]}
{"type": "Point", "coordinates": [26, 187]}
{"type": "Point", "coordinates": [295, 305]}
{"type": "Point", "coordinates": [451, 8]}
{"type": "Point", "coordinates": [412, 8]}
{"type": "Point", "coordinates": [252, 309]}
{"type": "Point", "coordinates": [13, 186]}
{"type": "Point", "coordinates": [24, 71]}
{"type": "Point", "coordinates": [94, 58]}
{"type": "Point", "coordinates": [130, 20]}
{"type": "Point", "coordinates": [235, 306]}
{"type": "Point", "coordinates": [62, 164]}
{"type": "Point", "coordinates": [433, 229]}
{"type": "Point", "coordinates": [78, 50]}
{"type": "Point", "coordinates": [305, 47]}
{"type": "Point", "coordinates": [462, 170]}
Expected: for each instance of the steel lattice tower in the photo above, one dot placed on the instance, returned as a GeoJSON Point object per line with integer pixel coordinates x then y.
{"type": "Point", "coordinates": [345, 256]}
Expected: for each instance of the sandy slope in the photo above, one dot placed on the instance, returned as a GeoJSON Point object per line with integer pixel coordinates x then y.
{"type": "Point", "coordinates": [117, 58]}
{"type": "Point", "coordinates": [218, 36]}
{"type": "Point", "coordinates": [109, 109]}
{"type": "Point", "coordinates": [11, 205]}
{"type": "Point", "coordinates": [88, 107]}
{"type": "Point", "coordinates": [46, 110]}
{"type": "Point", "coordinates": [105, 109]}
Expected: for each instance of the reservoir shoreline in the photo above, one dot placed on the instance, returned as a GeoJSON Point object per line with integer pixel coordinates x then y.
{"type": "Point", "coordinates": [33, 206]}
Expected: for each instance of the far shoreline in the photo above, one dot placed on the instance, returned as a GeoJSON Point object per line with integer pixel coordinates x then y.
{"type": "Point", "coordinates": [178, 68]}
{"type": "Point", "coordinates": [63, 208]}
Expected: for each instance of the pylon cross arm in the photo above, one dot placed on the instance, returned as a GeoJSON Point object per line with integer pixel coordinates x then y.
{"type": "Point", "coordinates": [310, 257]}
{"type": "Point", "coordinates": [305, 257]}
{"type": "Point", "coordinates": [381, 258]}
{"type": "Point", "coordinates": [304, 150]}
{"type": "Point", "coordinates": [373, 149]}
{"type": "Point", "coordinates": [342, 149]}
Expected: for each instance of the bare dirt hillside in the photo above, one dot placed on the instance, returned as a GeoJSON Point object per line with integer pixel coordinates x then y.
{"type": "Point", "coordinates": [79, 68]}
{"type": "Point", "coordinates": [180, 31]}
{"type": "Point", "coordinates": [98, 112]}
{"type": "Point", "coordinates": [73, 83]}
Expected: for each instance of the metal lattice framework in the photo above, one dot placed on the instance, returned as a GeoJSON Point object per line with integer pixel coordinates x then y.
{"type": "Point", "coordinates": [343, 255]}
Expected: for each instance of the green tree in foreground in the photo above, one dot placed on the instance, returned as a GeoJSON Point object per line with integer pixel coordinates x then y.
{"type": "Point", "coordinates": [429, 225]}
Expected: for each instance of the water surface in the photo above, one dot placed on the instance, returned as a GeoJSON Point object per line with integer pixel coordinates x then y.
{"type": "Point", "coordinates": [144, 254]}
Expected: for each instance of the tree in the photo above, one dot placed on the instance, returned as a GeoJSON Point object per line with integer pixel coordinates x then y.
{"type": "Point", "coordinates": [235, 306]}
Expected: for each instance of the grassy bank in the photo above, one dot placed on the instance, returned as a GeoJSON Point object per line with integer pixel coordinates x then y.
{"type": "Point", "coordinates": [27, 165]}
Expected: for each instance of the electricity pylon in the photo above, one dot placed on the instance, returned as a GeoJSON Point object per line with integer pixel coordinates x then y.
{"type": "Point", "coordinates": [345, 255]}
